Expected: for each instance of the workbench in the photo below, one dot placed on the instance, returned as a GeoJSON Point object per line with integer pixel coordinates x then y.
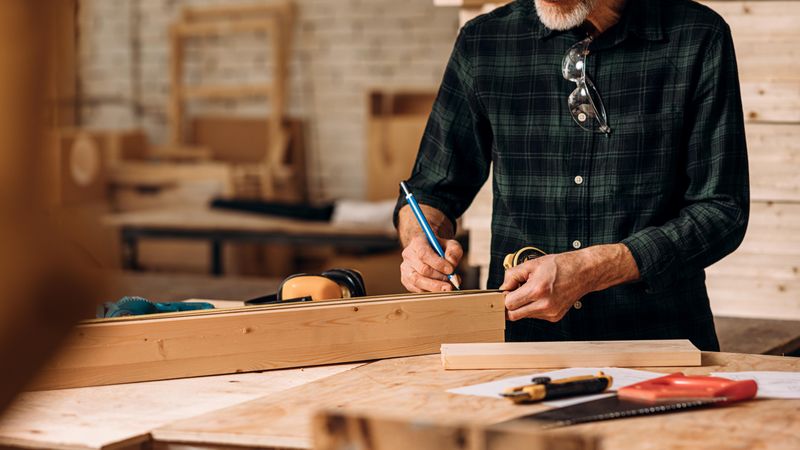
{"type": "Point", "coordinates": [218, 227]}
{"type": "Point", "coordinates": [273, 409]}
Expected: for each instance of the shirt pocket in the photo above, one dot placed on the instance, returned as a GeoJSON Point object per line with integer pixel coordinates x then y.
{"type": "Point", "coordinates": [641, 164]}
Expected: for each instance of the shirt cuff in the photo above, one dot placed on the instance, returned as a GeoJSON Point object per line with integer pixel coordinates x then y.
{"type": "Point", "coordinates": [655, 255]}
{"type": "Point", "coordinates": [429, 200]}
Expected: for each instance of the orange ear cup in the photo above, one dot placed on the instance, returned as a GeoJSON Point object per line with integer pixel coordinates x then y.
{"type": "Point", "coordinates": [314, 286]}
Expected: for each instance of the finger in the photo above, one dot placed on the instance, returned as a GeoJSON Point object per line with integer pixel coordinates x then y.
{"type": "Point", "coordinates": [426, 270]}
{"type": "Point", "coordinates": [430, 285]}
{"type": "Point", "coordinates": [453, 252]}
{"type": "Point", "coordinates": [429, 257]}
{"type": "Point", "coordinates": [515, 277]}
{"type": "Point", "coordinates": [542, 309]}
{"type": "Point", "coordinates": [405, 277]}
{"type": "Point", "coordinates": [525, 294]}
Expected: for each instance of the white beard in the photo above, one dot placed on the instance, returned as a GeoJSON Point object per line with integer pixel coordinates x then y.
{"type": "Point", "coordinates": [554, 19]}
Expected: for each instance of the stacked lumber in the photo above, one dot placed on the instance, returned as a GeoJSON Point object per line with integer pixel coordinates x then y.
{"type": "Point", "coordinates": [233, 340]}
{"type": "Point", "coordinates": [762, 278]}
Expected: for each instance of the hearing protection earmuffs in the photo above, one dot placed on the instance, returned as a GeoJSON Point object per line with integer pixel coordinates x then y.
{"type": "Point", "coordinates": [332, 284]}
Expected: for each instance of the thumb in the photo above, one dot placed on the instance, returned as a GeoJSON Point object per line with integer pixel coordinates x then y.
{"type": "Point", "coordinates": [514, 277]}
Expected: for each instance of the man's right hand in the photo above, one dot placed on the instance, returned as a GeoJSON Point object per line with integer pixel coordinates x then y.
{"type": "Point", "coordinates": [422, 269]}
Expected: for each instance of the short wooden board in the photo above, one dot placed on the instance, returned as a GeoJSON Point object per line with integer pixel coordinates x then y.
{"type": "Point", "coordinates": [523, 355]}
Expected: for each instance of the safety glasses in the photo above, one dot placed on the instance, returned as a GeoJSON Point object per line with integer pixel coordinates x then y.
{"type": "Point", "coordinates": [584, 102]}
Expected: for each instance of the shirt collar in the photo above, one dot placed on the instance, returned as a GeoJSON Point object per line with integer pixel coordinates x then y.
{"type": "Point", "coordinates": [642, 18]}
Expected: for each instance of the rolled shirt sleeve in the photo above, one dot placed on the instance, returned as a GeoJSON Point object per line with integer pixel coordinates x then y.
{"type": "Point", "coordinates": [454, 155]}
{"type": "Point", "coordinates": [713, 220]}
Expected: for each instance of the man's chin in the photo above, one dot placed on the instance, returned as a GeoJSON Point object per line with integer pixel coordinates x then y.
{"type": "Point", "coordinates": [563, 14]}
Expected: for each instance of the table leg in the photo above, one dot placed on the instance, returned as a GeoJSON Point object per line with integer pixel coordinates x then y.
{"type": "Point", "coordinates": [130, 253]}
{"type": "Point", "coordinates": [217, 268]}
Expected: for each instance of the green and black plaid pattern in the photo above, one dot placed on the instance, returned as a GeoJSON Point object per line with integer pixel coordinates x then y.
{"type": "Point", "coordinates": [670, 181]}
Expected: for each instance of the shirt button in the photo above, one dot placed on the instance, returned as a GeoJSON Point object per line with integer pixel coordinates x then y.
{"type": "Point", "coordinates": [578, 305]}
{"type": "Point", "coordinates": [576, 244]}
{"type": "Point", "coordinates": [579, 180]}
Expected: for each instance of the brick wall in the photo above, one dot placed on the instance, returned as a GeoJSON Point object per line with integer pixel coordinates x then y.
{"type": "Point", "coordinates": [341, 47]}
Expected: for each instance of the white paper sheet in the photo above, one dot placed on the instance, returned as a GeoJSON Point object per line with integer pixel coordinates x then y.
{"type": "Point", "coordinates": [770, 384]}
{"type": "Point", "coordinates": [621, 377]}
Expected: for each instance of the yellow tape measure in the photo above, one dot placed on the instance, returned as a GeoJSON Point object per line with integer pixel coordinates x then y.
{"type": "Point", "coordinates": [522, 255]}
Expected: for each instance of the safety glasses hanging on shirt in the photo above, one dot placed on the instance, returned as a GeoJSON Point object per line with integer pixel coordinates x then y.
{"type": "Point", "coordinates": [584, 102]}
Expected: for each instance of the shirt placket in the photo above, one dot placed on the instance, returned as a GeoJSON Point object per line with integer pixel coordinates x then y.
{"type": "Point", "coordinates": [579, 179]}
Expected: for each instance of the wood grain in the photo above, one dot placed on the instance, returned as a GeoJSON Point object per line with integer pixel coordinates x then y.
{"type": "Point", "coordinates": [521, 355]}
{"type": "Point", "coordinates": [109, 416]}
{"type": "Point", "coordinates": [415, 388]}
{"type": "Point", "coordinates": [249, 339]}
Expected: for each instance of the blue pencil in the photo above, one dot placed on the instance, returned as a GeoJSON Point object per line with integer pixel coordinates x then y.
{"type": "Point", "coordinates": [426, 227]}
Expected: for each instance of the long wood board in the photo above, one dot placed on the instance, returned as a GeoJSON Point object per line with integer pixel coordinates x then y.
{"type": "Point", "coordinates": [242, 340]}
{"type": "Point", "coordinates": [522, 355]}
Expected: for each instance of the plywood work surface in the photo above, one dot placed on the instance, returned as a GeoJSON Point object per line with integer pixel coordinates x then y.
{"type": "Point", "coordinates": [118, 416]}
{"type": "Point", "coordinates": [521, 355]}
{"type": "Point", "coordinates": [416, 388]}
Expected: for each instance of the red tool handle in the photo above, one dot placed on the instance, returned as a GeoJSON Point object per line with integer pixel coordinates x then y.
{"type": "Point", "coordinates": [678, 385]}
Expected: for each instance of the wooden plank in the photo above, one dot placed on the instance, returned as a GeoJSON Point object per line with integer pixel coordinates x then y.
{"type": "Point", "coordinates": [260, 338]}
{"type": "Point", "coordinates": [118, 416]}
{"type": "Point", "coordinates": [220, 220]}
{"type": "Point", "coordinates": [763, 32]}
{"type": "Point", "coordinates": [774, 229]}
{"type": "Point", "coordinates": [771, 100]}
{"type": "Point", "coordinates": [744, 264]}
{"type": "Point", "coordinates": [774, 156]}
{"type": "Point", "coordinates": [225, 92]}
{"type": "Point", "coordinates": [750, 296]}
{"type": "Point", "coordinates": [335, 430]}
{"type": "Point", "coordinates": [220, 27]}
{"type": "Point", "coordinates": [416, 388]}
{"type": "Point", "coordinates": [521, 355]}
{"type": "Point", "coordinates": [759, 20]}
{"type": "Point", "coordinates": [395, 125]}
{"type": "Point", "coordinates": [214, 12]}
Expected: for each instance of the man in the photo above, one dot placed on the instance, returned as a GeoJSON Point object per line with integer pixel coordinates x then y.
{"type": "Point", "coordinates": [616, 135]}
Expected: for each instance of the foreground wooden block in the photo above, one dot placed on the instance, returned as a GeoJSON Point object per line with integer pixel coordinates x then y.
{"type": "Point", "coordinates": [178, 345]}
{"type": "Point", "coordinates": [335, 430]}
{"type": "Point", "coordinates": [541, 355]}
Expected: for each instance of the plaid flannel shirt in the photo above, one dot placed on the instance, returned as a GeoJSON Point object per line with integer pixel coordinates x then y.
{"type": "Point", "coordinates": [670, 181]}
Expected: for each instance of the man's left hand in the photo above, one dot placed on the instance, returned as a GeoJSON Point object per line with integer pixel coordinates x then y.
{"type": "Point", "coordinates": [547, 287]}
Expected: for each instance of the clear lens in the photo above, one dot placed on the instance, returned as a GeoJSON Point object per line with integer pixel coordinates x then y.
{"type": "Point", "coordinates": [573, 68]}
{"type": "Point", "coordinates": [584, 102]}
{"type": "Point", "coordinates": [587, 108]}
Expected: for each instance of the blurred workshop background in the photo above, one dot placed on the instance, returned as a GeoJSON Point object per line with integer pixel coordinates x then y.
{"type": "Point", "coordinates": [224, 146]}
